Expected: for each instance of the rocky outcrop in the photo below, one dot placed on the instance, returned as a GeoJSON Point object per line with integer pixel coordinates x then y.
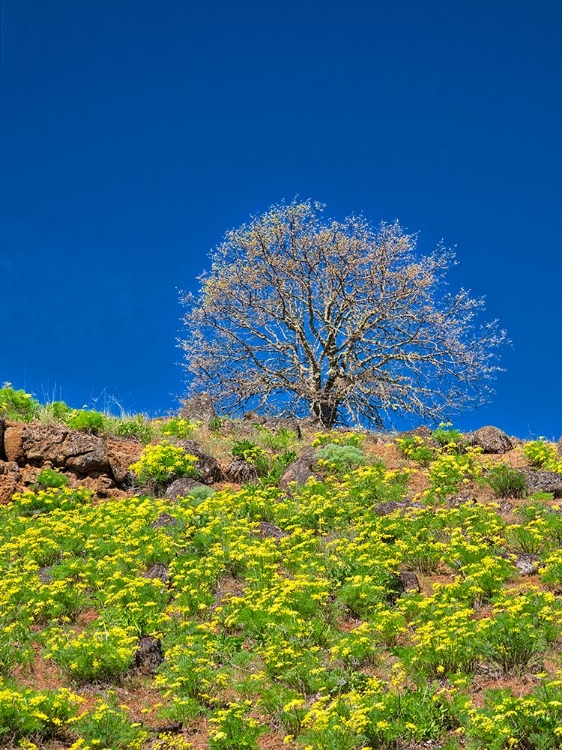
{"type": "Point", "coordinates": [490, 439]}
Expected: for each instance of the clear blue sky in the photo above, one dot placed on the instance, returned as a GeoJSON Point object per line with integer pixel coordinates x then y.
{"type": "Point", "coordinates": [134, 134]}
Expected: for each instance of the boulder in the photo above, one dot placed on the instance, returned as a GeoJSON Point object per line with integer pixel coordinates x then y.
{"type": "Point", "coordinates": [490, 439]}
{"type": "Point", "coordinates": [181, 487]}
{"type": "Point", "coordinates": [240, 471]}
{"type": "Point", "coordinates": [207, 467]}
{"type": "Point", "coordinates": [300, 470]}
{"type": "Point", "coordinates": [408, 582]}
{"type": "Point", "coordinates": [2, 427]}
{"type": "Point", "coordinates": [543, 481]}
{"type": "Point", "coordinates": [199, 408]}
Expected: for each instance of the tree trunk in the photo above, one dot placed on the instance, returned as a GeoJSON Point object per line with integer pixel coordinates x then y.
{"type": "Point", "coordinates": [326, 412]}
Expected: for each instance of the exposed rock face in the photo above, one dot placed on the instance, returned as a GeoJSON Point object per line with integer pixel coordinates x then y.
{"type": "Point", "coordinates": [181, 487]}
{"type": "Point", "coordinates": [490, 439]}
{"type": "Point", "coordinates": [543, 481]}
{"type": "Point", "coordinates": [2, 454]}
{"type": "Point", "coordinates": [240, 471]}
{"type": "Point", "coordinates": [208, 467]}
{"type": "Point", "coordinates": [9, 480]}
{"type": "Point", "coordinates": [300, 470]}
{"type": "Point", "coordinates": [199, 408]}
{"type": "Point", "coordinates": [85, 453]}
{"type": "Point", "coordinates": [120, 455]}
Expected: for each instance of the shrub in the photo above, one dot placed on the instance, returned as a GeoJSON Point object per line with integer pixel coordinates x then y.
{"type": "Point", "coordinates": [354, 439]}
{"type": "Point", "coordinates": [162, 463]}
{"type": "Point", "coordinates": [543, 455]}
{"type": "Point", "coordinates": [40, 713]}
{"type": "Point", "coordinates": [53, 498]}
{"type": "Point", "coordinates": [340, 458]}
{"type": "Point", "coordinates": [448, 438]}
{"type": "Point", "coordinates": [50, 479]}
{"type": "Point", "coordinates": [234, 729]}
{"type": "Point", "coordinates": [136, 426]}
{"type": "Point", "coordinates": [17, 405]}
{"type": "Point", "coordinates": [107, 725]}
{"type": "Point", "coordinates": [179, 428]}
{"type": "Point", "coordinates": [88, 421]}
{"type": "Point", "coordinates": [415, 448]}
{"type": "Point", "coordinates": [507, 482]}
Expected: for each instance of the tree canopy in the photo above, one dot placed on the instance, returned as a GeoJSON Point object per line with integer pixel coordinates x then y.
{"type": "Point", "coordinates": [342, 320]}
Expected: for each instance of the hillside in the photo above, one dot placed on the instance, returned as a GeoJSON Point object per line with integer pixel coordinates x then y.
{"type": "Point", "coordinates": [253, 584]}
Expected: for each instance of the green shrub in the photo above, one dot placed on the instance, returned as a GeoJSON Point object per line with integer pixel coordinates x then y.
{"type": "Point", "coordinates": [107, 725]}
{"type": "Point", "coordinates": [54, 498]}
{"type": "Point", "coordinates": [201, 493]}
{"type": "Point", "coordinates": [353, 439]}
{"type": "Point", "coordinates": [17, 405]}
{"type": "Point", "coordinates": [448, 438]}
{"type": "Point", "coordinates": [543, 455]}
{"type": "Point", "coordinates": [41, 713]}
{"type": "Point", "coordinates": [50, 479]}
{"type": "Point", "coordinates": [88, 421]}
{"type": "Point", "coordinates": [340, 459]}
{"type": "Point", "coordinates": [506, 482]}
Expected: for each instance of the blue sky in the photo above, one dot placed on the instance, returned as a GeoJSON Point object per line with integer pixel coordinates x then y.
{"type": "Point", "coordinates": [133, 135]}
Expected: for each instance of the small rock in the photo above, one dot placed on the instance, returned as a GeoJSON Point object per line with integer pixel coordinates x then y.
{"type": "Point", "coordinates": [527, 564]}
{"type": "Point", "coordinates": [391, 506]}
{"type": "Point", "coordinates": [268, 529]}
{"type": "Point", "coordinates": [164, 519]}
{"type": "Point", "coordinates": [181, 487]}
{"type": "Point", "coordinates": [149, 656]}
{"type": "Point", "coordinates": [409, 582]}
{"type": "Point", "coordinates": [158, 571]}
{"type": "Point", "coordinates": [207, 467]}
{"type": "Point", "coordinates": [44, 574]}
{"type": "Point", "coordinates": [240, 471]}
{"type": "Point", "coordinates": [300, 471]}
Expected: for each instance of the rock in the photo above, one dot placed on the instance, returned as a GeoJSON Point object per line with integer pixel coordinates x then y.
{"type": "Point", "coordinates": [391, 506]}
{"type": "Point", "coordinates": [300, 470]}
{"type": "Point", "coordinates": [44, 574]}
{"type": "Point", "coordinates": [199, 408]}
{"type": "Point", "coordinates": [527, 564]}
{"type": "Point", "coordinates": [207, 467]}
{"type": "Point", "coordinates": [164, 519]}
{"type": "Point", "coordinates": [270, 530]}
{"type": "Point", "coordinates": [181, 487]}
{"type": "Point", "coordinates": [10, 481]}
{"type": "Point", "coordinates": [543, 481]}
{"type": "Point", "coordinates": [2, 428]}
{"type": "Point", "coordinates": [409, 582]}
{"type": "Point", "coordinates": [148, 655]}
{"type": "Point", "coordinates": [120, 455]}
{"type": "Point", "coordinates": [490, 439]}
{"type": "Point", "coordinates": [13, 443]}
{"type": "Point", "coordinates": [86, 453]}
{"type": "Point", "coordinates": [240, 471]}
{"type": "Point", "coordinates": [158, 571]}
{"type": "Point", "coordinates": [253, 417]}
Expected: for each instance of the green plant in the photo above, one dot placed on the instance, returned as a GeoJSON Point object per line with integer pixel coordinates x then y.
{"type": "Point", "coordinates": [233, 729]}
{"type": "Point", "coordinates": [543, 455]}
{"type": "Point", "coordinates": [50, 479]}
{"type": "Point", "coordinates": [416, 448]}
{"type": "Point", "coordinates": [179, 428]}
{"type": "Point", "coordinates": [355, 439]}
{"type": "Point", "coordinates": [162, 463]}
{"type": "Point", "coordinates": [17, 405]}
{"type": "Point", "coordinates": [54, 498]}
{"type": "Point", "coordinates": [136, 426]}
{"type": "Point", "coordinates": [39, 713]}
{"type": "Point", "coordinates": [88, 421]}
{"type": "Point", "coordinates": [340, 459]}
{"type": "Point", "coordinates": [506, 482]}
{"type": "Point", "coordinates": [448, 438]}
{"type": "Point", "coordinates": [107, 725]}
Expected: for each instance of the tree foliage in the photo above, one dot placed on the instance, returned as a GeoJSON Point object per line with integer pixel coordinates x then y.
{"type": "Point", "coordinates": [340, 319]}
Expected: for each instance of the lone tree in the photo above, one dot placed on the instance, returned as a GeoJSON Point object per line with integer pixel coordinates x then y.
{"type": "Point", "coordinates": [339, 319]}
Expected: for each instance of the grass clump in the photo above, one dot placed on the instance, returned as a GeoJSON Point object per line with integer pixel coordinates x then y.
{"type": "Point", "coordinates": [506, 482]}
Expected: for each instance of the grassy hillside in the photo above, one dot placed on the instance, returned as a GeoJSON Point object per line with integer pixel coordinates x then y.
{"type": "Point", "coordinates": [405, 597]}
